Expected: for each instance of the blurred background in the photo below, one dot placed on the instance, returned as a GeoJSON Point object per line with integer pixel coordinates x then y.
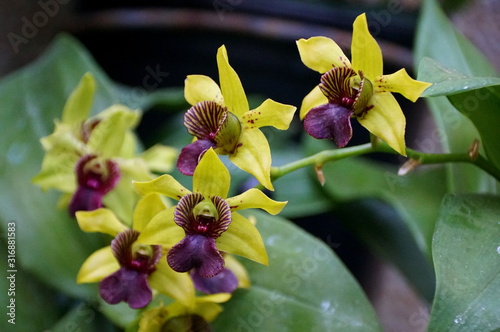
{"type": "Point", "coordinates": [167, 40]}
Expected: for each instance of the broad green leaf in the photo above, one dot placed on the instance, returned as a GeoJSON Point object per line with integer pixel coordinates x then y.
{"type": "Point", "coordinates": [382, 230]}
{"type": "Point", "coordinates": [83, 318]}
{"type": "Point", "coordinates": [408, 209]}
{"type": "Point", "coordinates": [437, 39]}
{"type": "Point", "coordinates": [51, 246]}
{"type": "Point", "coordinates": [466, 251]}
{"type": "Point", "coordinates": [304, 288]}
{"type": "Point", "coordinates": [478, 98]}
{"type": "Point", "coordinates": [35, 306]}
{"type": "Point", "coordinates": [446, 81]}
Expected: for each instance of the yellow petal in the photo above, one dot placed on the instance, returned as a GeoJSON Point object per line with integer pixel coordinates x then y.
{"type": "Point", "coordinates": [163, 185]}
{"type": "Point", "coordinates": [253, 155]}
{"type": "Point", "coordinates": [321, 54]}
{"type": "Point", "coordinates": [313, 99]}
{"type": "Point", "coordinates": [214, 298]}
{"type": "Point", "coordinates": [239, 271]}
{"type": "Point", "coordinates": [109, 135]}
{"type": "Point", "coordinates": [160, 158]}
{"type": "Point", "coordinates": [366, 54]}
{"type": "Point", "coordinates": [254, 198]}
{"type": "Point", "coordinates": [234, 96]}
{"type": "Point", "coordinates": [242, 238]}
{"type": "Point", "coordinates": [402, 83]}
{"type": "Point", "coordinates": [162, 230]}
{"type": "Point", "coordinates": [97, 266]}
{"type": "Point", "coordinates": [121, 200]}
{"type": "Point", "coordinates": [101, 220]}
{"type": "Point", "coordinates": [147, 207]}
{"type": "Point", "coordinates": [211, 177]}
{"type": "Point", "coordinates": [386, 121]}
{"type": "Point", "coordinates": [270, 113]}
{"type": "Point", "coordinates": [175, 285]}
{"type": "Point", "coordinates": [58, 171]}
{"type": "Point", "coordinates": [198, 88]}
{"type": "Point", "coordinates": [79, 103]}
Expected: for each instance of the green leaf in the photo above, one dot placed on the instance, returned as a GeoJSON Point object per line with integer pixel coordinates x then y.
{"type": "Point", "coordinates": [398, 228]}
{"type": "Point", "coordinates": [478, 98]}
{"type": "Point", "coordinates": [438, 39]}
{"type": "Point", "coordinates": [51, 246]}
{"type": "Point", "coordinates": [83, 318]}
{"type": "Point", "coordinates": [304, 288]}
{"type": "Point", "coordinates": [466, 256]}
{"type": "Point", "coordinates": [27, 304]}
{"type": "Point", "coordinates": [446, 81]}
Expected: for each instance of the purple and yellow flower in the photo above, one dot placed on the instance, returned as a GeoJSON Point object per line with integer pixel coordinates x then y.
{"type": "Point", "coordinates": [221, 119]}
{"type": "Point", "coordinates": [94, 160]}
{"type": "Point", "coordinates": [128, 270]}
{"type": "Point", "coordinates": [205, 224]}
{"type": "Point", "coordinates": [357, 90]}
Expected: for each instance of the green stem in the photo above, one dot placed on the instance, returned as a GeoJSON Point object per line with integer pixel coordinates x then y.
{"type": "Point", "coordinates": [320, 158]}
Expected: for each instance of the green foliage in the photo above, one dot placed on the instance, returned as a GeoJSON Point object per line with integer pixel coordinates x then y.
{"type": "Point", "coordinates": [304, 288]}
{"type": "Point", "coordinates": [466, 253]}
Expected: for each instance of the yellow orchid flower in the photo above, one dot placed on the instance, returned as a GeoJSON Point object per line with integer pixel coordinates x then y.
{"type": "Point", "coordinates": [128, 270]}
{"type": "Point", "coordinates": [221, 119]}
{"type": "Point", "coordinates": [355, 90]}
{"type": "Point", "coordinates": [94, 159]}
{"type": "Point", "coordinates": [205, 222]}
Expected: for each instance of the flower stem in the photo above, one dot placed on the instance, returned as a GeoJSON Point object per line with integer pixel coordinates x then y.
{"type": "Point", "coordinates": [320, 158]}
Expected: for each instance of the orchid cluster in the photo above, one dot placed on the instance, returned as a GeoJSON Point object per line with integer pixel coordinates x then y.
{"type": "Point", "coordinates": [179, 245]}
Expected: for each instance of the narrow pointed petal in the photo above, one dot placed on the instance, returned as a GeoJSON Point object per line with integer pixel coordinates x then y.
{"type": "Point", "coordinates": [162, 230]}
{"type": "Point", "coordinates": [386, 121]}
{"type": "Point", "coordinates": [110, 134]}
{"type": "Point", "coordinates": [198, 88]}
{"type": "Point", "coordinates": [97, 266]}
{"type": "Point", "coordinates": [163, 185]}
{"type": "Point", "coordinates": [269, 113]}
{"type": "Point", "coordinates": [321, 54]}
{"type": "Point", "coordinates": [366, 54]}
{"type": "Point", "coordinates": [243, 239]}
{"type": "Point", "coordinates": [79, 103]}
{"type": "Point", "coordinates": [147, 207]}
{"type": "Point", "coordinates": [175, 285]}
{"type": "Point", "coordinates": [313, 99]}
{"type": "Point", "coordinates": [330, 121]}
{"type": "Point", "coordinates": [121, 199]}
{"type": "Point", "coordinates": [254, 198]}
{"type": "Point", "coordinates": [160, 158]}
{"type": "Point", "coordinates": [224, 282]}
{"type": "Point", "coordinates": [196, 252]}
{"type": "Point", "coordinates": [253, 155]}
{"type": "Point", "coordinates": [101, 220]}
{"type": "Point", "coordinates": [234, 96]}
{"type": "Point", "coordinates": [211, 177]}
{"type": "Point", "coordinates": [239, 271]}
{"type": "Point", "coordinates": [58, 171]}
{"type": "Point", "coordinates": [402, 83]}
{"type": "Point", "coordinates": [126, 285]}
{"type": "Point", "coordinates": [191, 154]}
